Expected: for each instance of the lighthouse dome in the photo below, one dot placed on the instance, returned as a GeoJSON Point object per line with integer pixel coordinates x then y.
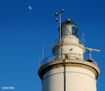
{"type": "Point", "coordinates": [69, 28]}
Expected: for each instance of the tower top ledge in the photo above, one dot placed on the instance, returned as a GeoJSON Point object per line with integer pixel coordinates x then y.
{"type": "Point", "coordinates": [69, 63]}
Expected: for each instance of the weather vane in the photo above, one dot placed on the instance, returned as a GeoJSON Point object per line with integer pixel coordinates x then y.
{"type": "Point", "coordinates": [59, 19]}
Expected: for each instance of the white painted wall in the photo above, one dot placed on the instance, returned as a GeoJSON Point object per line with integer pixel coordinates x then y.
{"type": "Point", "coordinates": [77, 79]}
{"type": "Point", "coordinates": [71, 42]}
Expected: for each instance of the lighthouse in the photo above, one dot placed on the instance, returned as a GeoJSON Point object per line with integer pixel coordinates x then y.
{"type": "Point", "coordinates": [67, 69]}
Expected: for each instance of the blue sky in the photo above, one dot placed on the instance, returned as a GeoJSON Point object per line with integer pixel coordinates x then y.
{"type": "Point", "coordinates": [23, 32]}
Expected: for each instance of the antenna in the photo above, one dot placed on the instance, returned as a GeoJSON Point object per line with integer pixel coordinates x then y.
{"type": "Point", "coordinates": [59, 16]}
{"type": "Point", "coordinates": [59, 19]}
{"type": "Point", "coordinates": [90, 51]}
{"type": "Point", "coordinates": [83, 39]}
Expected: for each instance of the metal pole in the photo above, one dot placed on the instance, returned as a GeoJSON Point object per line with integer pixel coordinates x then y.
{"type": "Point", "coordinates": [90, 54]}
{"type": "Point", "coordinates": [60, 39]}
{"type": "Point", "coordinates": [64, 76]}
{"type": "Point", "coordinates": [60, 28]}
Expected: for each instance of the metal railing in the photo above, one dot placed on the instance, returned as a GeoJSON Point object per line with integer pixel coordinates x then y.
{"type": "Point", "coordinates": [61, 57]}
{"type": "Point", "coordinates": [47, 60]}
{"type": "Point", "coordinates": [56, 42]}
{"type": "Point", "coordinates": [64, 56]}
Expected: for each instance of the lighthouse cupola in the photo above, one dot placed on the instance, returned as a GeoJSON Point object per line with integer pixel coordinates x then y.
{"type": "Point", "coordinates": [68, 44]}
{"type": "Point", "coordinates": [69, 28]}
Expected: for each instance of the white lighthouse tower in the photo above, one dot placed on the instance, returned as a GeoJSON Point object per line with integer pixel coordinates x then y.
{"type": "Point", "coordinates": [67, 70]}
